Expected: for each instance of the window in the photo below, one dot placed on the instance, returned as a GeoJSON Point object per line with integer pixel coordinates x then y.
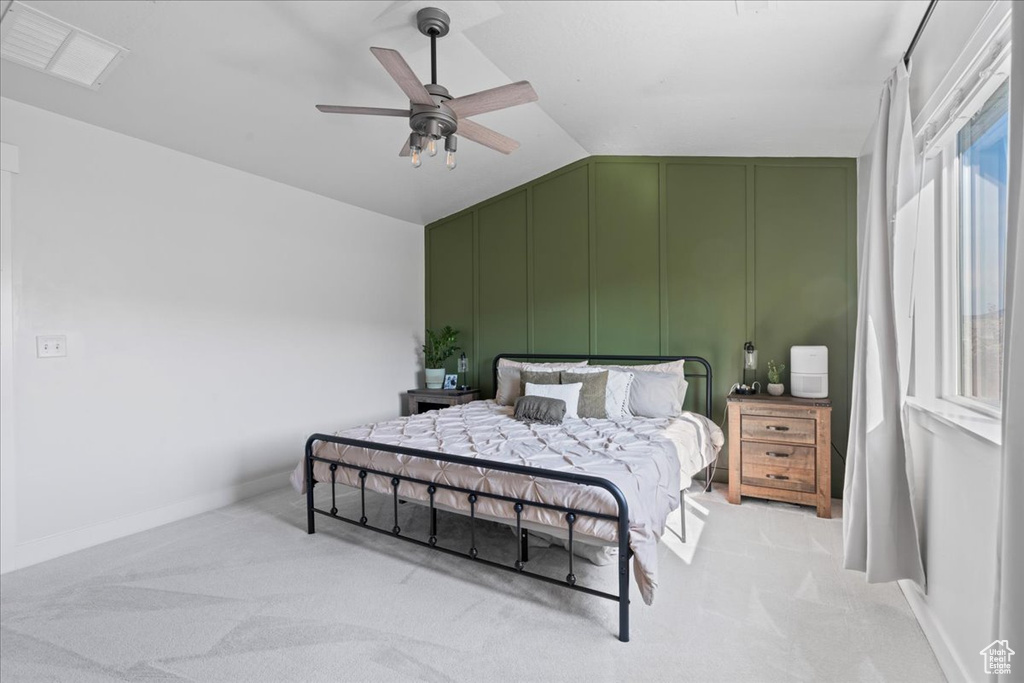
{"type": "Point", "coordinates": [982, 155]}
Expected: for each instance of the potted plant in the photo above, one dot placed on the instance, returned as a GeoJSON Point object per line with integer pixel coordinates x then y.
{"type": "Point", "coordinates": [439, 347]}
{"type": "Point", "coordinates": [775, 386]}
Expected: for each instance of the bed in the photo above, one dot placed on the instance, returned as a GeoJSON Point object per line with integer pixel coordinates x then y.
{"type": "Point", "coordinates": [599, 482]}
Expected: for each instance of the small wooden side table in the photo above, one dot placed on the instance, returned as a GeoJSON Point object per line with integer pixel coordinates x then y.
{"type": "Point", "coordinates": [780, 449]}
{"type": "Point", "coordinates": [421, 400]}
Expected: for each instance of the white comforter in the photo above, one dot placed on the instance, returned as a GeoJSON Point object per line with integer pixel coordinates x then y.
{"type": "Point", "coordinates": [649, 459]}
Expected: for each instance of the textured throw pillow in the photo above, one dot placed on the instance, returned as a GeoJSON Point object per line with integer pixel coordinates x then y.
{"type": "Point", "coordinates": [570, 393]}
{"type": "Point", "coordinates": [539, 409]}
{"type": "Point", "coordinates": [510, 385]}
{"type": "Point", "coordinates": [539, 377]}
{"type": "Point", "coordinates": [616, 395]}
{"type": "Point", "coordinates": [592, 396]}
{"type": "Point", "coordinates": [655, 394]}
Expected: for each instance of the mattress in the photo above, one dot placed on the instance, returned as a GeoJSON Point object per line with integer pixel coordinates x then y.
{"type": "Point", "coordinates": [649, 459]}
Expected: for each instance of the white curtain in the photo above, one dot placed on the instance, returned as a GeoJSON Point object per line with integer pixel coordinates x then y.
{"type": "Point", "coordinates": [879, 531]}
{"type": "Point", "coordinates": [1009, 607]}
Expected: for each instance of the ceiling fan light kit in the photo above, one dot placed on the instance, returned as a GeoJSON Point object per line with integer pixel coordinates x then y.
{"type": "Point", "coordinates": [433, 113]}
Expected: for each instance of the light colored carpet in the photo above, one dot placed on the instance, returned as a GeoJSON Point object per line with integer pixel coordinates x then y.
{"type": "Point", "coordinates": [243, 594]}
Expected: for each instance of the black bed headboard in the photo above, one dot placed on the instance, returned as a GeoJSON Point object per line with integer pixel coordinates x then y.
{"type": "Point", "coordinates": [706, 374]}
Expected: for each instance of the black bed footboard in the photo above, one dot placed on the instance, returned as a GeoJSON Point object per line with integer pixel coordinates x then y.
{"type": "Point", "coordinates": [518, 505]}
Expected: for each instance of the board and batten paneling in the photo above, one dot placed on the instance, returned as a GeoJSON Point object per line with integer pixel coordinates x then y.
{"type": "Point", "coordinates": [658, 255]}
{"type": "Point", "coordinates": [450, 280]}
{"type": "Point", "coordinates": [561, 263]}
{"type": "Point", "coordinates": [502, 303]}
{"type": "Point", "coordinates": [706, 237]}
{"type": "Point", "coordinates": [624, 270]}
{"type": "Point", "coordinates": [802, 260]}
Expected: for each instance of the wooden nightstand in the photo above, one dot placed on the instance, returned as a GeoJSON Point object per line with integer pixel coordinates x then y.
{"type": "Point", "coordinates": [422, 400]}
{"type": "Point", "coordinates": [780, 449]}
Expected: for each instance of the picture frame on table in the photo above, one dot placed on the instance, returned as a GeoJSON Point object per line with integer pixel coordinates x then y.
{"type": "Point", "coordinates": [450, 381]}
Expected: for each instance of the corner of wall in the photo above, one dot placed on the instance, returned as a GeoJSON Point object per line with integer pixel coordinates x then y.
{"type": "Point", "coordinates": [21, 555]}
{"type": "Point", "coordinates": [951, 666]}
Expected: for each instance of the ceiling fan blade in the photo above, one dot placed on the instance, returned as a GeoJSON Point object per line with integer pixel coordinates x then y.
{"type": "Point", "coordinates": [502, 97]}
{"type": "Point", "coordinates": [372, 111]}
{"type": "Point", "coordinates": [399, 69]}
{"type": "Point", "coordinates": [471, 130]}
{"type": "Point", "coordinates": [405, 149]}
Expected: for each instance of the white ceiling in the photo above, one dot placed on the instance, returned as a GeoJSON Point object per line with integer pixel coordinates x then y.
{"type": "Point", "coordinates": [235, 83]}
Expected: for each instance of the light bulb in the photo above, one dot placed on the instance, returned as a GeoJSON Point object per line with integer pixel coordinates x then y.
{"type": "Point", "coordinates": [451, 143]}
{"type": "Point", "coordinates": [416, 158]}
{"type": "Point", "coordinates": [432, 147]}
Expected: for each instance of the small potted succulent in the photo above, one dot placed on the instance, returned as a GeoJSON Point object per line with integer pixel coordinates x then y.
{"type": "Point", "coordinates": [775, 386]}
{"type": "Point", "coordinates": [439, 347]}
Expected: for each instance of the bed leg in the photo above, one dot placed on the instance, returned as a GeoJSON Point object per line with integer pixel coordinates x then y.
{"type": "Point", "coordinates": [682, 515]}
{"type": "Point", "coordinates": [709, 475]}
{"type": "Point", "coordinates": [524, 544]}
{"type": "Point", "coordinates": [623, 582]}
{"type": "Point", "coordinates": [310, 483]}
{"type": "Point", "coordinates": [310, 518]}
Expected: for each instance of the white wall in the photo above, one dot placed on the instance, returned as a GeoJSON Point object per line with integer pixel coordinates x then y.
{"type": "Point", "coordinates": [214, 319]}
{"type": "Point", "coordinates": [956, 483]}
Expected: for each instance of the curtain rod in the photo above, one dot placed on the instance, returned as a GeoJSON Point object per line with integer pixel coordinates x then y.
{"type": "Point", "coordinates": [920, 30]}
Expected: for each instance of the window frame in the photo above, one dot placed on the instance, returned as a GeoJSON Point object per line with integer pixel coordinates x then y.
{"type": "Point", "coordinates": [948, 272]}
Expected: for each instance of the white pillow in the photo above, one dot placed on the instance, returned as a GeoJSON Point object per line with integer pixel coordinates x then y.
{"type": "Point", "coordinates": [655, 394]}
{"type": "Point", "coordinates": [677, 367]}
{"type": "Point", "coordinates": [510, 383]}
{"type": "Point", "coordinates": [616, 397]}
{"type": "Point", "coordinates": [570, 393]}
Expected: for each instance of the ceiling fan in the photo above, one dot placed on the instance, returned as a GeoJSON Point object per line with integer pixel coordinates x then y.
{"type": "Point", "coordinates": [433, 113]}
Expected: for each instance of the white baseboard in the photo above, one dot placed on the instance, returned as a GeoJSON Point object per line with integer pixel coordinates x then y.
{"type": "Point", "coordinates": [39, 550]}
{"type": "Point", "coordinates": [951, 665]}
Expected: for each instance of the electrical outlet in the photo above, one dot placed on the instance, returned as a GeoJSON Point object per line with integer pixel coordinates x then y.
{"type": "Point", "coordinates": [52, 346]}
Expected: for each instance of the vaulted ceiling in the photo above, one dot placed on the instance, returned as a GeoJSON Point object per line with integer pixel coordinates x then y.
{"type": "Point", "coordinates": [235, 83]}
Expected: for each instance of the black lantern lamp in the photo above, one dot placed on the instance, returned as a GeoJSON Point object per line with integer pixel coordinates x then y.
{"type": "Point", "coordinates": [749, 365]}
{"type": "Point", "coordinates": [463, 369]}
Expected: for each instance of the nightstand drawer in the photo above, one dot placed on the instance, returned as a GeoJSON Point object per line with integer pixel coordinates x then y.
{"type": "Point", "coordinates": [779, 429]}
{"type": "Point", "coordinates": [782, 455]}
{"type": "Point", "coordinates": [778, 477]}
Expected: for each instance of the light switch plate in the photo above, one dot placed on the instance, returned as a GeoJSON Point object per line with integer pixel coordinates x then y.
{"type": "Point", "coordinates": [52, 346]}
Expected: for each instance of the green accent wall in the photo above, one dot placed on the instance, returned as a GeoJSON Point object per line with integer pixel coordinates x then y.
{"type": "Point", "coordinates": [658, 255]}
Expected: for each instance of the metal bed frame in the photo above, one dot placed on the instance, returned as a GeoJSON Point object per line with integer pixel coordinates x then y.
{"type": "Point", "coordinates": [518, 505]}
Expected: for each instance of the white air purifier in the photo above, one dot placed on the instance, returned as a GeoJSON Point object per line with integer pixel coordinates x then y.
{"type": "Point", "coordinates": [808, 371]}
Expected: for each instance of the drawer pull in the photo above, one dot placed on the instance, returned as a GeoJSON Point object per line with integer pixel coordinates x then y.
{"type": "Point", "coordinates": [774, 454]}
{"type": "Point", "coordinates": [776, 476]}
{"type": "Point", "coordinates": [776, 428]}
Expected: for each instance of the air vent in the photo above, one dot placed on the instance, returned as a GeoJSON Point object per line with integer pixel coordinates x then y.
{"type": "Point", "coordinates": [40, 42]}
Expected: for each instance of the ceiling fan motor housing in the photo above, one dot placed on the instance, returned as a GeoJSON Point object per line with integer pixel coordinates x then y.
{"type": "Point", "coordinates": [432, 21]}
{"type": "Point", "coordinates": [439, 121]}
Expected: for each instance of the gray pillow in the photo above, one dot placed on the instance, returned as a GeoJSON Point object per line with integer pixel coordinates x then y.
{"type": "Point", "coordinates": [655, 394]}
{"type": "Point", "coordinates": [592, 395]}
{"type": "Point", "coordinates": [540, 409]}
{"type": "Point", "coordinates": [537, 377]}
